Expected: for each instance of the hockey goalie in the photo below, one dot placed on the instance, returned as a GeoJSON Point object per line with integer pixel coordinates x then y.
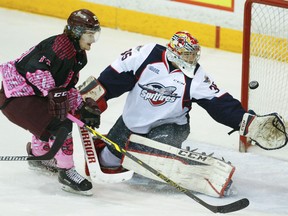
{"type": "Point", "coordinates": [162, 83]}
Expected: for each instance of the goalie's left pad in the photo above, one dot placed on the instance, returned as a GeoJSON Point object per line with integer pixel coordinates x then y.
{"type": "Point", "coordinates": [92, 165]}
{"type": "Point", "coordinates": [91, 88]}
{"type": "Point", "coordinates": [192, 170]}
{"type": "Point", "coordinates": [266, 131]}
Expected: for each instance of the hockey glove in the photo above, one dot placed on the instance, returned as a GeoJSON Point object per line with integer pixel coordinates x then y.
{"type": "Point", "coordinates": [266, 131]}
{"type": "Point", "coordinates": [90, 113]}
{"type": "Point", "coordinates": [92, 88]}
{"type": "Point", "coordinates": [58, 103]}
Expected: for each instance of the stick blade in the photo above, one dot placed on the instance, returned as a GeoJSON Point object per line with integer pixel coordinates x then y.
{"type": "Point", "coordinates": [235, 206]}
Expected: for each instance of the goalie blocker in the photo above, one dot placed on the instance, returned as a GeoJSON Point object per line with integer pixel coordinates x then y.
{"type": "Point", "coordinates": [91, 88]}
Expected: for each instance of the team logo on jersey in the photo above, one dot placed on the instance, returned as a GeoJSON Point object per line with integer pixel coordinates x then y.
{"type": "Point", "coordinates": [139, 47]}
{"type": "Point", "coordinates": [207, 80]}
{"type": "Point", "coordinates": [45, 60]}
{"type": "Point", "coordinates": [157, 94]}
{"type": "Point", "coordinates": [154, 69]}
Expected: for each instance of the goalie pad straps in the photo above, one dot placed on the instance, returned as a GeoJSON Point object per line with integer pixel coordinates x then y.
{"type": "Point", "coordinates": [191, 170]}
{"type": "Point", "coordinates": [91, 88]}
{"type": "Point", "coordinates": [266, 131]}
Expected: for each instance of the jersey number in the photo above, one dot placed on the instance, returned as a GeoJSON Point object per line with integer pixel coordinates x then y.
{"type": "Point", "coordinates": [126, 54]}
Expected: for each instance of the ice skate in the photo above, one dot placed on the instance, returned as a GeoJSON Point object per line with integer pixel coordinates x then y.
{"type": "Point", "coordinates": [73, 182]}
{"type": "Point", "coordinates": [47, 166]}
{"type": "Point", "coordinates": [230, 190]}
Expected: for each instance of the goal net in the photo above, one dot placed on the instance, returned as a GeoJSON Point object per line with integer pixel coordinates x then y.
{"type": "Point", "coordinates": [265, 58]}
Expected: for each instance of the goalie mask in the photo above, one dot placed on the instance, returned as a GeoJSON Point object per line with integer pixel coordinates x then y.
{"type": "Point", "coordinates": [184, 50]}
{"type": "Point", "coordinates": [82, 21]}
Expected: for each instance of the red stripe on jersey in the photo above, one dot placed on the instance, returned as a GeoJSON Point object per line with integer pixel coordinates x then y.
{"type": "Point", "coordinates": [63, 47]}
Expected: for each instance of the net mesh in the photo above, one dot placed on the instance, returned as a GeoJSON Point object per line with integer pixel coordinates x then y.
{"type": "Point", "coordinates": [269, 59]}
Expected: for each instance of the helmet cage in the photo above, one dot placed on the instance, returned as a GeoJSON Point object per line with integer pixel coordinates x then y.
{"type": "Point", "coordinates": [184, 50]}
{"type": "Point", "coordinates": [78, 31]}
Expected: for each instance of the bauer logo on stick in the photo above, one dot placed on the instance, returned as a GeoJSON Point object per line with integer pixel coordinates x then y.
{"type": "Point", "coordinates": [253, 85]}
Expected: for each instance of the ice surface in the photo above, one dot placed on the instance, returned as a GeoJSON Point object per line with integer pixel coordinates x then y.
{"type": "Point", "coordinates": [23, 192]}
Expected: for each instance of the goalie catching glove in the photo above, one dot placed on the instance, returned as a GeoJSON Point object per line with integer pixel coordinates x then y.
{"type": "Point", "coordinates": [266, 131]}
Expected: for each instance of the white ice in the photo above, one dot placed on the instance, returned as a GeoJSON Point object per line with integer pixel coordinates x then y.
{"type": "Point", "coordinates": [23, 192]}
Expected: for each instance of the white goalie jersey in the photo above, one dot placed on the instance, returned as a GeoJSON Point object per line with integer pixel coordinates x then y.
{"type": "Point", "coordinates": [160, 93]}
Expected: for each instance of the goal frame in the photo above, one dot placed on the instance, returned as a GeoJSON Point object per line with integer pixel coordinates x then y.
{"type": "Point", "coordinates": [246, 54]}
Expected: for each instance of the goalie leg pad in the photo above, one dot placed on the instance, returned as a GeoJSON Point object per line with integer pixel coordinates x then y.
{"type": "Point", "coordinates": [92, 165]}
{"type": "Point", "coordinates": [100, 148]}
{"type": "Point", "coordinates": [199, 173]}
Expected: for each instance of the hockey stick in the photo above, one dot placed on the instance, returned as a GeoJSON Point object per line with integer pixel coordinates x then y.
{"type": "Point", "coordinates": [235, 206]}
{"type": "Point", "coordinates": [92, 161]}
{"type": "Point", "coordinates": [60, 137]}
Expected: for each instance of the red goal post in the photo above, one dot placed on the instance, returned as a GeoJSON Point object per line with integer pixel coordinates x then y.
{"type": "Point", "coordinates": [265, 58]}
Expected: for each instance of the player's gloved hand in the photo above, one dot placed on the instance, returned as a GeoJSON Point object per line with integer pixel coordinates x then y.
{"type": "Point", "coordinates": [267, 131]}
{"type": "Point", "coordinates": [58, 103]}
{"type": "Point", "coordinates": [90, 113]}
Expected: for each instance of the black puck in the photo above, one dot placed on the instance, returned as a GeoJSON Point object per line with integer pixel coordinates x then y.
{"type": "Point", "coordinates": [253, 85]}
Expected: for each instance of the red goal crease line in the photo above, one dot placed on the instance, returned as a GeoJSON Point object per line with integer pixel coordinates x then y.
{"type": "Point", "coordinates": [227, 5]}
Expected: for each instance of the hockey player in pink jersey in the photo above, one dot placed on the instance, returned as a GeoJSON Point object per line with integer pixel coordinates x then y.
{"type": "Point", "coordinates": [38, 90]}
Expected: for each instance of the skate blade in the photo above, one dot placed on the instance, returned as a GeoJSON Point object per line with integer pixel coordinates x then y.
{"type": "Point", "coordinates": [70, 190]}
{"type": "Point", "coordinates": [42, 171]}
{"type": "Point", "coordinates": [231, 192]}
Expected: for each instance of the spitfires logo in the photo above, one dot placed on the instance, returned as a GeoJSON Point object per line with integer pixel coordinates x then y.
{"type": "Point", "coordinates": [157, 94]}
